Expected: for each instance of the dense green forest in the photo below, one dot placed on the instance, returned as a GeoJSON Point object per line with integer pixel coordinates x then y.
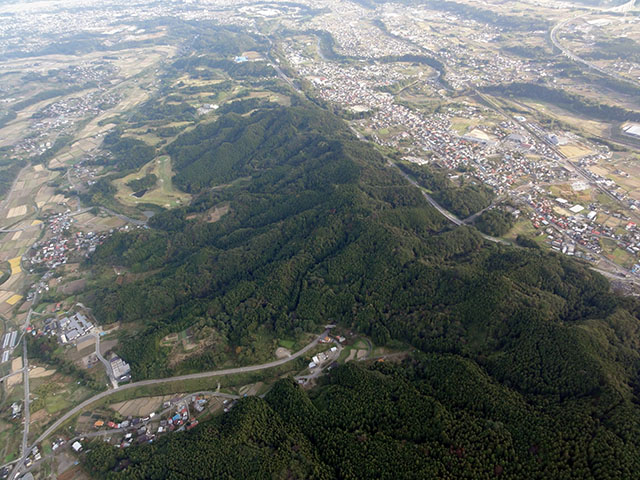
{"type": "Point", "coordinates": [434, 416]}
{"type": "Point", "coordinates": [495, 222]}
{"type": "Point", "coordinates": [146, 182]}
{"type": "Point", "coordinates": [531, 363]}
{"type": "Point", "coordinates": [611, 49]}
{"type": "Point", "coordinates": [462, 198]}
{"type": "Point", "coordinates": [125, 153]}
{"type": "Point", "coordinates": [9, 169]}
{"type": "Point", "coordinates": [155, 109]}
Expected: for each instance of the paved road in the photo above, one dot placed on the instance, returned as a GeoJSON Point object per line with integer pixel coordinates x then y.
{"type": "Point", "coordinates": [143, 383]}
{"type": "Point", "coordinates": [471, 218]}
{"type": "Point", "coordinates": [25, 408]}
{"type": "Point", "coordinates": [11, 374]}
{"type": "Point", "coordinates": [107, 365]}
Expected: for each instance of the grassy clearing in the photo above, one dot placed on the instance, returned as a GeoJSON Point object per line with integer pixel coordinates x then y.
{"type": "Point", "coordinates": [163, 194]}
{"type": "Point", "coordinates": [344, 354]}
{"type": "Point", "coordinates": [521, 227]}
{"type": "Point", "coordinates": [622, 257]}
{"type": "Point", "coordinates": [463, 125]}
{"type": "Point", "coordinates": [286, 343]}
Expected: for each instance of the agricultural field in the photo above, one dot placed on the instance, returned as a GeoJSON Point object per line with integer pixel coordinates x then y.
{"type": "Point", "coordinates": [575, 150]}
{"type": "Point", "coordinates": [52, 393]}
{"type": "Point", "coordinates": [625, 171]}
{"type": "Point", "coordinates": [140, 407]}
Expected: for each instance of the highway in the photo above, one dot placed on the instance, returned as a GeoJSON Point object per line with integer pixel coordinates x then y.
{"type": "Point", "coordinates": [572, 56]}
{"type": "Point", "coordinates": [159, 381]}
{"type": "Point", "coordinates": [446, 213]}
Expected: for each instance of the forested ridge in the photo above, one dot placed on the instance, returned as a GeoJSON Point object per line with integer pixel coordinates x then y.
{"type": "Point", "coordinates": [531, 363]}
{"type": "Point", "coordinates": [570, 101]}
{"type": "Point", "coordinates": [435, 416]}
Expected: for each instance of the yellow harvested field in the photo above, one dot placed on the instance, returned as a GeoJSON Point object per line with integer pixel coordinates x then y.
{"type": "Point", "coordinates": [599, 170]}
{"type": "Point", "coordinates": [16, 235]}
{"type": "Point", "coordinates": [36, 222]}
{"type": "Point", "coordinates": [55, 163]}
{"type": "Point", "coordinates": [572, 151]}
{"type": "Point", "coordinates": [15, 265]}
{"type": "Point", "coordinates": [38, 168]}
{"type": "Point", "coordinates": [14, 299]}
{"type": "Point", "coordinates": [17, 211]}
{"type": "Point", "coordinates": [562, 211]}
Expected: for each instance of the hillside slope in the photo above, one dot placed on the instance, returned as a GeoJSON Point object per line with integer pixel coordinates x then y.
{"type": "Point", "coordinates": [531, 363]}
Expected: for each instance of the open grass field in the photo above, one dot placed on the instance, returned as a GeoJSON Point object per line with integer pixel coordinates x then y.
{"type": "Point", "coordinates": [286, 343]}
{"type": "Point", "coordinates": [9, 448]}
{"type": "Point", "coordinates": [164, 194]}
{"type": "Point", "coordinates": [522, 227]}
{"type": "Point", "coordinates": [463, 125]}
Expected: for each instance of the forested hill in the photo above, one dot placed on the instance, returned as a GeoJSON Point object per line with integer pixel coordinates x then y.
{"type": "Point", "coordinates": [439, 416]}
{"type": "Point", "coordinates": [531, 359]}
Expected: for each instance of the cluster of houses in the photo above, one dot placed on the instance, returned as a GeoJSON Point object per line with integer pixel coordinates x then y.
{"type": "Point", "coordinates": [459, 44]}
{"type": "Point", "coordinates": [568, 226]}
{"type": "Point", "coordinates": [355, 37]}
{"type": "Point", "coordinates": [60, 245]}
{"type": "Point", "coordinates": [505, 156]}
{"type": "Point", "coordinates": [176, 416]}
{"type": "Point", "coordinates": [501, 155]}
